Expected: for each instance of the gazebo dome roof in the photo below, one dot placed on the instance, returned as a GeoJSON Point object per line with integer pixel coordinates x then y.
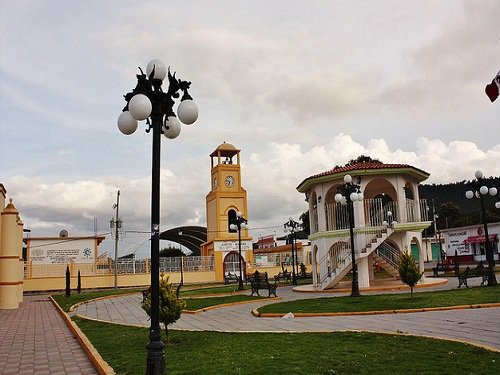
{"type": "Point", "coordinates": [360, 169]}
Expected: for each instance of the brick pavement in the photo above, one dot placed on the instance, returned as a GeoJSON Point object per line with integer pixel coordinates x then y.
{"type": "Point", "coordinates": [34, 339]}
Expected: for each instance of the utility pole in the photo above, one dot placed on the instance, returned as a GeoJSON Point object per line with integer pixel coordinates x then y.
{"type": "Point", "coordinates": [116, 224]}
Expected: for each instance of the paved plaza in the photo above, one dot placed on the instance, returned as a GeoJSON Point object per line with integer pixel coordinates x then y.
{"type": "Point", "coordinates": [35, 340]}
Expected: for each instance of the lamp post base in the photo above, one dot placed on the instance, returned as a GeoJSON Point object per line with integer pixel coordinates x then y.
{"type": "Point", "coordinates": [156, 358]}
{"type": "Point", "coordinates": [355, 290]}
{"type": "Point", "coordinates": [355, 285]}
{"type": "Point", "coordinates": [492, 280]}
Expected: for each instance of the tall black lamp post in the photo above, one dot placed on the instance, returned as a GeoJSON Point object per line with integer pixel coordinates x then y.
{"type": "Point", "coordinates": [293, 226]}
{"type": "Point", "coordinates": [350, 192]}
{"type": "Point", "coordinates": [480, 190]}
{"type": "Point", "coordinates": [149, 102]}
{"type": "Point", "coordinates": [238, 224]}
{"type": "Point", "coordinates": [182, 259]}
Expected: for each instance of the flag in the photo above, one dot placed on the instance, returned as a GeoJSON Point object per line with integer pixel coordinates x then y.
{"type": "Point", "coordinates": [493, 88]}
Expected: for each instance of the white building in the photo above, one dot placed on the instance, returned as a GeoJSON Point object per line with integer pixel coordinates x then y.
{"type": "Point", "coordinates": [390, 197]}
{"type": "Point", "coordinates": [468, 244]}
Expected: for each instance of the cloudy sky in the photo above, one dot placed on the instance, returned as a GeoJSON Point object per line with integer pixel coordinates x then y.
{"type": "Point", "coordinates": [298, 86]}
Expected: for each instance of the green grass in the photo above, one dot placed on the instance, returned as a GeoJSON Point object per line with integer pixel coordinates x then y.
{"type": "Point", "coordinates": [200, 303]}
{"type": "Point", "coordinates": [223, 289]}
{"type": "Point", "coordinates": [387, 301]}
{"type": "Point", "coordinates": [285, 353]}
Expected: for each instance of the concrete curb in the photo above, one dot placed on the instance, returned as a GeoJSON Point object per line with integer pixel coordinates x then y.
{"type": "Point", "coordinates": [256, 313]}
{"type": "Point", "coordinates": [439, 281]}
{"type": "Point", "coordinates": [99, 363]}
{"type": "Point", "coordinates": [228, 304]}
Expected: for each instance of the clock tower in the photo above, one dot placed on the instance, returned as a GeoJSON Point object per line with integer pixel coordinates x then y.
{"type": "Point", "coordinates": [225, 199]}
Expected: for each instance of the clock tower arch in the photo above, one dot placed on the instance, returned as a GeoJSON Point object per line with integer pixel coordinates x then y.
{"type": "Point", "coordinates": [226, 197]}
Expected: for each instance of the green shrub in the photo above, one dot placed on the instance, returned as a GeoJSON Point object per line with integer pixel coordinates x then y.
{"type": "Point", "coordinates": [408, 270]}
{"type": "Point", "coordinates": [170, 306]}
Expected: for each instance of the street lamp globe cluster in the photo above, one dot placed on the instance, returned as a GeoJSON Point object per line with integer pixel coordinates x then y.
{"type": "Point", "coordinates": [293, 227]}
{"type": "Point", "coordinates": [238, 224]}
{"type": "Point", "coordinates": [149, 102]}
{"type": "Point", "coordinates": [347, 193]}
{"type": "Point", "coordinates": [389, 220]}
{"type": "Point", "coordinates": [480, 190]}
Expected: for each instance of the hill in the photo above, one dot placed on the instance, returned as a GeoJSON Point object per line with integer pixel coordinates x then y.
{"type": "Point", "coordinates": [454, 209]}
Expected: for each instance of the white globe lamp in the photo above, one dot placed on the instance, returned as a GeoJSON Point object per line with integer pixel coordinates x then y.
{"type": "Point", "coordinates": [187, 111]}
{"type": "Point", "coordinates": [172, 127]}
{"type": "Point", "coordinates": [126, 123]}
{"type": "Point", "coordinates": [140, 107]}
{"type": "Point", "coordinates": [159, 67]}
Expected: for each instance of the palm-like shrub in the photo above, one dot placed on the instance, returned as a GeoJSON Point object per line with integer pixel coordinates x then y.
{"type": "Point", "coordinates": [408, 270]}
{"type": "Point", "coordinates": [170, 306]}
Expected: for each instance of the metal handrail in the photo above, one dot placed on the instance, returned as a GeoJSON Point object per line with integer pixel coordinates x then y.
{"type": "Point", "coordinates": [389, 254]}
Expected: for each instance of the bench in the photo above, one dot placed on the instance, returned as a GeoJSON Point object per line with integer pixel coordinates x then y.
{"type": "Point", "coordinates": [442, 266]}
{"type": "Point", "coordinates": [259, 280]}
{"type": "Point", "coordinates": [230, 278]}
{"type": "Point", "coordinates": [469, 273]}
{"type": "Point", "coordinates": [285, 276]}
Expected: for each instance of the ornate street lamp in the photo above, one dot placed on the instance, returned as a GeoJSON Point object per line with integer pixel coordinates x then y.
{"type": "Point", "coordinates": [149, 102]}
{"type": "Point", "coordinates": [293, 226]}
{"type": "Point", "coordinates": [480, 190]}
{"type": "Point", "coordinates": [238, 224]}
{"type": "Point", "coordinates": [350, 192]}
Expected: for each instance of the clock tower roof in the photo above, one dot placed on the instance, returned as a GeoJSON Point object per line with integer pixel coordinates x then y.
{"type": "Point", "coordinates": [225, 150]}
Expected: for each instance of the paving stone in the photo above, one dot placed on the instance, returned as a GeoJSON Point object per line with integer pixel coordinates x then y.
{"type": "Point", "coordinates": [35, 340]}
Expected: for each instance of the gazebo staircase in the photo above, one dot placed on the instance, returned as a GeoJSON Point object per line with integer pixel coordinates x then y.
{"type": "Point", "coordinates": [343, 262]}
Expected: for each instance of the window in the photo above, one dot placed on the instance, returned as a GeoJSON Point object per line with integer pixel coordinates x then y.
{"type": "Point", "coordinates": [231, 219]}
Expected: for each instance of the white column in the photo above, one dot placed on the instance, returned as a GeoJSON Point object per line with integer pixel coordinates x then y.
{"type": "Point", "coordinates": [363, 272]}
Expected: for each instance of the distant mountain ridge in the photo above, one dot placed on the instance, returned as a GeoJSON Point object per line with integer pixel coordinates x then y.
{"type": "Point", "coordinates": [470, 209]}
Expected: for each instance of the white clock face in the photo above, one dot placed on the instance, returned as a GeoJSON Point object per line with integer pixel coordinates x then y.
{"type": "Point", "coordinates": [229, 181]}
{"type": "Point", "coordinates": [215, 182]}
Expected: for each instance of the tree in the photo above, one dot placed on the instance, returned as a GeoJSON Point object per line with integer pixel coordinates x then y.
{"type": "Point", "coordinates": [408, 270]}
{"type": "Point", "coordinates": [170, 307]}
{"type": "Point", "coordinates": [450, 212]}
{"type": "Point", "coordinates": [304, 222]}
{"type": "Point", "coordinates": [363, 159]}
{"type": "Point", "coordinates": [68, 287]}
{"type": "Point", "coordinates": [171, 252]}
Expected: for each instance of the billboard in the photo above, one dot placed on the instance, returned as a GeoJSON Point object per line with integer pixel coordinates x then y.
{"type": "Point", "coordinates": [61, 251]}
{"type": "Point", "coordinates": [456, 243]}
{"type": "Point", "coordinates": [232, 245]}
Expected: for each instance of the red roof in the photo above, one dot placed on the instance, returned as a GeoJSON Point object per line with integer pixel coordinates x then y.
{"type": "Point", "coordinates": [365, 167]}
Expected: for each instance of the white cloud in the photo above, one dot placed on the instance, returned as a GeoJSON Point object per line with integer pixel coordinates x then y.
{"type": "Point", "coordinates": [299, 89]}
